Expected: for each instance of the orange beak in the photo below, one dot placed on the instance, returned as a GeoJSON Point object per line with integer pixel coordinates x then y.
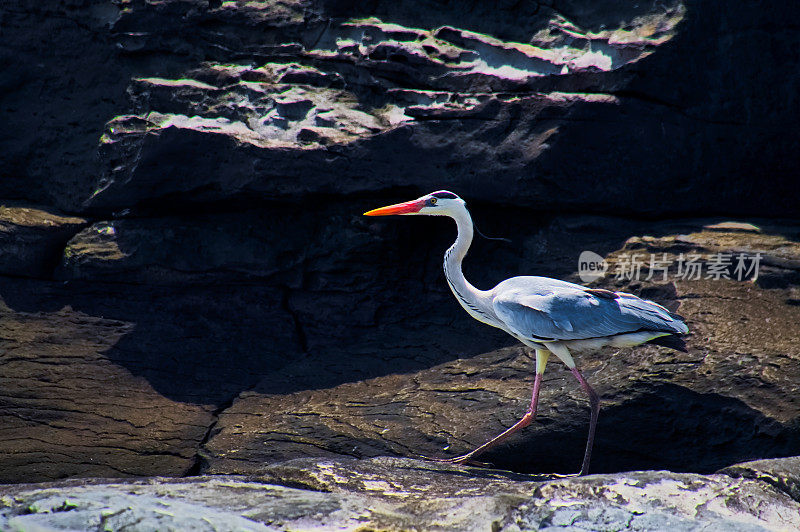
{"type": "Point", "coordinates": [408, 207]}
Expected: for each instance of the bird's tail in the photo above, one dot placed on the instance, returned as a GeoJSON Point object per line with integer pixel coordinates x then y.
{"type": "Point", "coordinates": [670, 340]}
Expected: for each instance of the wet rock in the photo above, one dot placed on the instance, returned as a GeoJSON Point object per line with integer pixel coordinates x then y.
{"type": "Point", "coordinates": [395, 494]}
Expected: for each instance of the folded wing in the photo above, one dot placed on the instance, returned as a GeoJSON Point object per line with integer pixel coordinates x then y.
{"type": "Point", "coordinates": [570, 312]}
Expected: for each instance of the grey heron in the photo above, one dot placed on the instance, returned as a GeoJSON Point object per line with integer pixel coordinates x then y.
{"type": "Point", "coordinates": [549, 315]}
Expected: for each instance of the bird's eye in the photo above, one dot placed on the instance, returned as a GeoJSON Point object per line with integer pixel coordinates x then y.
{"type": "Point", "coordinates": [432, 201]}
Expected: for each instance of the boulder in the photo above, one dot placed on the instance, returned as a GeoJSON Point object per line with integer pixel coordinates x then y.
{"type": "Point", "coordinates": [68, 408]}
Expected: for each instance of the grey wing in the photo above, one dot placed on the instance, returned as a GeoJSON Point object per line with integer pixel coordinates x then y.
{"type": "Point", "coordinates": [539, 309]}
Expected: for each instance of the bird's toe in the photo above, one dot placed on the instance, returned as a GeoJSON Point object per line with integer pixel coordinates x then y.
{"type": "Point", "coordinates": [464, 459]}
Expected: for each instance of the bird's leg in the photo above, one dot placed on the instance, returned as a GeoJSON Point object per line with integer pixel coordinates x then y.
{"type": "Point", "coordinates": [594, 402]}
{"type": "Point", "coordinates": [522, 423]}
{"type": "Point", "coordinates": [541, 362]}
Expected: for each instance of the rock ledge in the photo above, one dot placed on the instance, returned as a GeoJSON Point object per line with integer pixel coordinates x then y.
{"type": "Point", "coordinates": [403, 494]}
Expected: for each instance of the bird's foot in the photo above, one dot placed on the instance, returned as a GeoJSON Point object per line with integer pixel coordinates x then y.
{"type": "Point", "coordinates": [463, 459]}
{"type": "Point", "coordinates": [569, 475]}
{"type": "Point", "coordinates": [564, 475]}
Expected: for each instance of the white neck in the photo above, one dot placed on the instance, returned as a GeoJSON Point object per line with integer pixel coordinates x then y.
{"type": "Point", "coordinates": [476, 302]}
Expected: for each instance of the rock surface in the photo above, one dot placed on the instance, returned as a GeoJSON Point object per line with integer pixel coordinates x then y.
{"type": "Point", "coordinates": [732, 397]}
{"type": "Point", "coordinates": [401, 494]}
{"type": "Point", "coordinates": [780, 472]}
{"type": "Point", "coordinates": [32, 240]}
{"type": "Point", "coordinates": [187, 285]}
{"type": "Point", "coordinates": [569, 105]}
{"type": "Point", "coordinates": [138, 368]}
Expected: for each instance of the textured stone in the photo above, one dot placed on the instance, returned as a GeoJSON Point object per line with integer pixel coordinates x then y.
{"type": "Point", "coordinates": [104, 379]}
{"type": "Point", "coordinates": [32, 240]}
{"type": "Point", "coordinates": [189, 314]}
{"type": "Point", "coordinates": [732, 397]}
{"type": "Point", "coordinates": [216, 157]}
{"type": "Point", "coordinates": [67, 409]}
{"type": "Point", "coordinates": [656, 500]}
{"type": "Point", "coordinates": [395, 494]}
{"type": "Point", "coordinates": [190, 95]}
{"type": "Point", "coordinates": [783, 473]}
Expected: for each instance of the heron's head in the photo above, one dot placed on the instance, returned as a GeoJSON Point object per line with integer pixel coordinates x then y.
{"type": "Point", "coordinates": [439, 203]}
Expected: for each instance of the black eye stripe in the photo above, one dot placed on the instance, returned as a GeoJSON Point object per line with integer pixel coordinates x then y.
{"type": "Point", "coordinates": [448, 195]}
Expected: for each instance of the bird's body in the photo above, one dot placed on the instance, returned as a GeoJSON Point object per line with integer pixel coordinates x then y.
{"type": "Point", "coordinates": [549, 315]}
{"type": "Point", "coordinates": [541, 310]}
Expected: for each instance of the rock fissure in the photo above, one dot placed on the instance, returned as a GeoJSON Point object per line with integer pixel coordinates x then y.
{"type": "Point", "coordinates": [199, 459]}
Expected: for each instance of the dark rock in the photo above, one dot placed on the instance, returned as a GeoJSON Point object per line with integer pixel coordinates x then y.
{"type": "Point", "coordinates": [628, 111]}
{"type": "Point", "coordinates": [188, 314]}
{"type": "Point", "coordinates": [191, 249]}
{"type": "Point", "coordinates": [68, 409]}
{"type": "Point", "coordinates": [32, 240]}
{"type": "Point", "coordinates": [294, 109]}
{"type": "Point", "coordinates": [104, 379]}
{"type": "Point", "coordinates": [734, 391]}
{"type": "Point", "coordinates": [377, 64]}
